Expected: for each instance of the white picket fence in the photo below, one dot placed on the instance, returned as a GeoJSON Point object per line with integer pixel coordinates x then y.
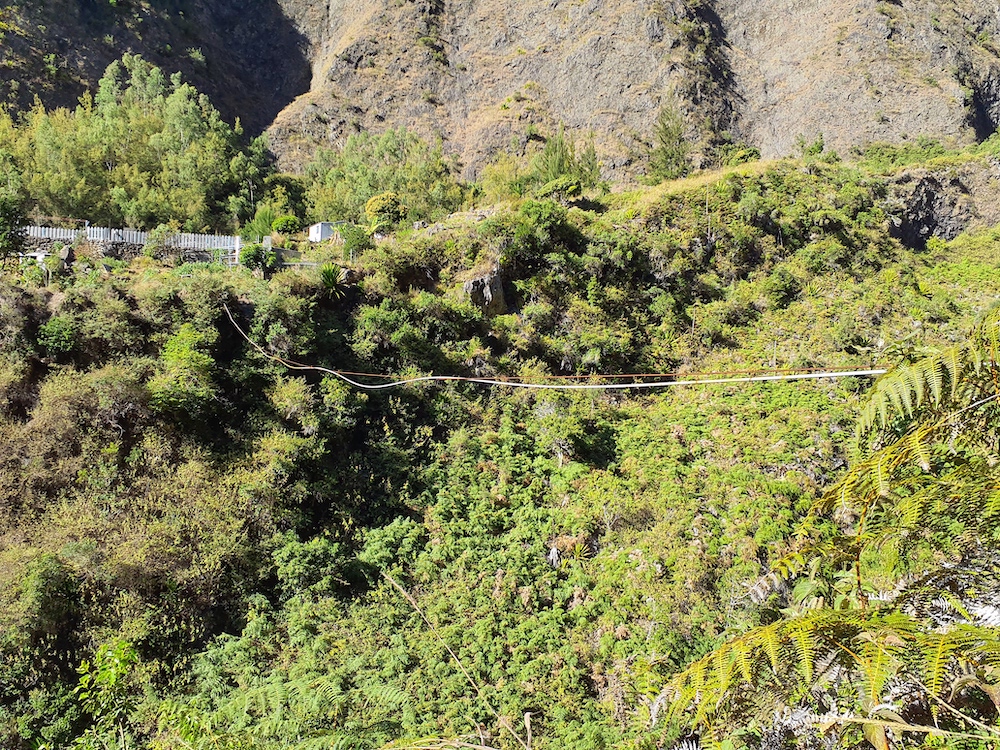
{"type": "Point", "coordinates": [229, 244]}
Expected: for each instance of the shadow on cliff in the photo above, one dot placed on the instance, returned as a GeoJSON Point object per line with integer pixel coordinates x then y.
{"type": "Point", "coordinates": [247, 55]}
{"type": "Point", "coordinates": [712, 83]}
{"type": "Point", "coordinates": [267, 64]}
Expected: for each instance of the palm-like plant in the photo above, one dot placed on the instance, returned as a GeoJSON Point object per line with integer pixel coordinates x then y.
{"type": "Point", "coordinates": [304, 713]}
{"type": "Point", "coordinates": [918, 514]}
{"type": "Point", "coordinates": [334, 279]}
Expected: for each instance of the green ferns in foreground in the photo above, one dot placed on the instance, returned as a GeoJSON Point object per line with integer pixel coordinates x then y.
{"type": "Point", "coordinates": [918, 516]}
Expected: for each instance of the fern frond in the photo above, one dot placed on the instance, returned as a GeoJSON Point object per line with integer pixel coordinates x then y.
{"type": "Point", "coordinates": [932, 370]}
{"type": "Point", "coordinates": [882, 478]}
{"type": "Point", "coordinates": [937, 652]}
{"type": "Point", "coordinates": [770, 641]}
{"type": "Point", "coordinates": [986, 336]}
{"type": "Point", "coordinates": [952, 359]}
{"type": "Point", "coordinates": [386, 695]}
{"type": "Point", "coordinates": [918, 445]}
{"type": "Point", "coordinates": [878, 645]}
{"type": "Point", "coordinates": [724, 665]}
{"type": "Point", "coordinates": [742, 656]}
{"type": "Point", "coordinates": [911, 509]}
{"type": "Point", "coordinates": [992, 505]}
{"type": "Point", "coordinates": [805, 642]}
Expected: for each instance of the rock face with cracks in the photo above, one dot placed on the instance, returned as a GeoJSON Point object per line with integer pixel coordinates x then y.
{"type": "Point", "coordinates": [487, 74]}
{"type": "Point", "coordinates": [483, 75]}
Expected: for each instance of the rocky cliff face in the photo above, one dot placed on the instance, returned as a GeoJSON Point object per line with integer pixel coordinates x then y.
{"type": "Point", "coordinates": [487, 74]}
{"type": "Point", "coordinates": [481, 74]}
{"type": "Point", "coordinates": [862, 71]}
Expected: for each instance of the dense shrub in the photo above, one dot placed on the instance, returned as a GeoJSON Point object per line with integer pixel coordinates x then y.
{"type": "Point", "coordinates": [286, 225]}
{"type": "Point", "coordinates": [215, 532]}
{"type": "Point", "coordinates": [58, 335]}
{"type": "Point", "coordinates": [256, 257]}
{"type": "Point", "coordinates": [384, 210]}
{"type": "Point", "coordinates": [342, 181]}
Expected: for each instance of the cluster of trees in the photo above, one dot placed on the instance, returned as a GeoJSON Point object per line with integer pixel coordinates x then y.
{"type": "Point", "coordinates": [342, 181]}
{"type": "Point", "coordinates": [144, 150]}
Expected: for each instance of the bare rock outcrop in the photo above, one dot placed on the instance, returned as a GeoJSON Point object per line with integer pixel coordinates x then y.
{"type": "Point", "coordinates": [862, 71]}
{"type": "Point", "coordinates": [943, 203]}
{"type": "Point", "coordinates": [486, 293]}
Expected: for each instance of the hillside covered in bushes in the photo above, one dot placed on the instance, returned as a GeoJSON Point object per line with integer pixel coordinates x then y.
{"type": "Point", "coordinates": [222, 525]}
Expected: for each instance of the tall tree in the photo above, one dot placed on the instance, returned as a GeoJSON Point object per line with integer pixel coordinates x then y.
{"type": "Point", "coordinates": [13, 217]}
{"type": "Point", "coordinates": [669, 158]}
{"type": "Point", "coordinates": [144, 150]}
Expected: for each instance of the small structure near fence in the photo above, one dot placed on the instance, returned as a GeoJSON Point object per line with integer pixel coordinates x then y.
{"type": "Point", "coordinates": [129, 242]}
{"type": "Point", "coordinates": [326, 230]}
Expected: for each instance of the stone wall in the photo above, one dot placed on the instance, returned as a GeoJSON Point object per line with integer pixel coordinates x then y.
{"type": "Point", "coordinates": [124, 251]}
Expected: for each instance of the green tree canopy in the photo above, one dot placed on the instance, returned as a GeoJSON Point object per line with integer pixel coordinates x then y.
{"type": "Point", "coordinates": [669, 157]}
{"type": "Point", "coordinates": [342, 181]}
{"type": "Point", "coordinates": [144, 150]}
{"type": "Point", "coordinates": [12, 221]}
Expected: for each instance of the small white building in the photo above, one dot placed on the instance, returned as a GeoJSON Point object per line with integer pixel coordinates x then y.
{"type": "Point", "coordinates": [325, 230]}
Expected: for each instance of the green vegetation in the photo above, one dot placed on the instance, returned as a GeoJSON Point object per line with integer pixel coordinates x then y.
{"type": "Point", "coordinates": [147, 150]}
{"type": "Point", "coordinates": [144, 150]}
{"type": "Point", "coordinates": [887, 156]}
{"type": "Point", "coordinates": [669, 158]}
{"type": "Point", "coordinates": [894, 591]}
{"type": "Point", "coordinates": [554, 171]}
{"type": "Point", "coordinates": [342, 182]}
{"type": "Point", "coordinates": [207, 545]}
{"type": "Point", "coordinates": [12, 221]}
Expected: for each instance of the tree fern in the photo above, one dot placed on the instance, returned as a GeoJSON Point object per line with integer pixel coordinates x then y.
{"type": "Point", "coordinates": [924, 503]}
{"type": "Point", "coordinates": [804, 638]}
{"type": "Point", "coordinates": [938, 650]}
{"type": "Point", "coordinates": [867, 649]}
{"type": "Point", "coordinates": [938, 381]}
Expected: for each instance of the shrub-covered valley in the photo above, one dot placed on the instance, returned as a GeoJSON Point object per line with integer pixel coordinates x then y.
{"type": "Point", "coordinates": [212, 538]}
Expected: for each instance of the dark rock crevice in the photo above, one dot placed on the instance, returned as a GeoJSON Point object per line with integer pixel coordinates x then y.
{"type": "Point", "coordinates": [924, 205]}
{"type": "Point", "coordinates": [248, 56]}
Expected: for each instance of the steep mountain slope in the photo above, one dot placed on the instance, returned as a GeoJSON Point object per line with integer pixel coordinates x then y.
{"type": "Point", "coordinates": [483, 73]}
{"type": "Point", "coordinates": [861, 71]}
{"type": "Point", "coordinates": [247, 56]}
{"type": "Point", "coordinates": [480, 74]}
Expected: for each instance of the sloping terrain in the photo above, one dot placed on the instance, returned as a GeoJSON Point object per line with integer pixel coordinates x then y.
{"type": "Point", "coordinates": [485, 75]}
{"type": "Point", "coordinates": [861, 71]}
{"type": "Point", "coordinates": [217, 544]}
{"type": "Point", "coordinates": [247, 56]}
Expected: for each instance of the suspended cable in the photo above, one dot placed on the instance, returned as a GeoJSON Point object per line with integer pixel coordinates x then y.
{"type": "Point", "coordinates": [398, 383]}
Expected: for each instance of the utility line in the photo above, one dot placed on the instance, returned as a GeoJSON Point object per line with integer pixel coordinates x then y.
{"type": "Point", "coordinates": [621, 376]}
{"type": "Point", "coordinates": [292, 365]}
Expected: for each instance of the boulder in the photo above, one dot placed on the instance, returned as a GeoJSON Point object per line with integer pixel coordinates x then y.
{"type": "Point", "coordinates": [486, 293]}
